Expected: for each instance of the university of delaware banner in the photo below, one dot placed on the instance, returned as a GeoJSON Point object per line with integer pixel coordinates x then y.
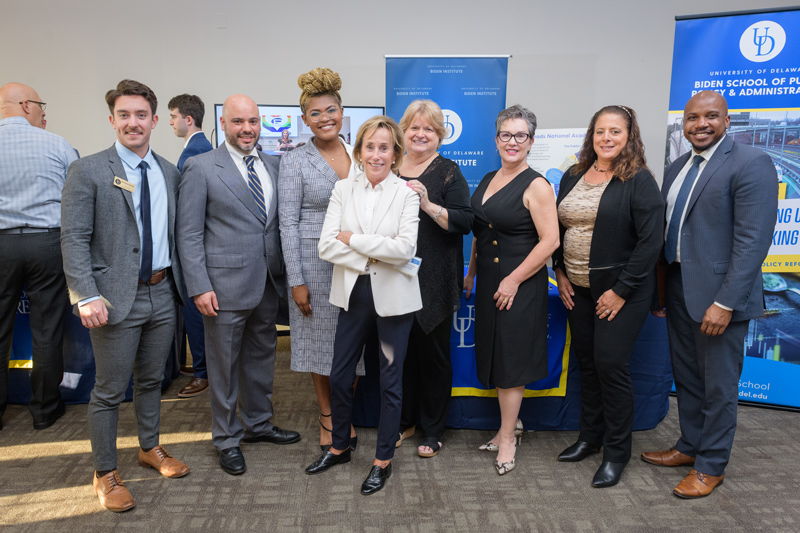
{"type": "Point", "coordinates": [471, 92]}
{"type": "Point", "coordinates": [753, 59]}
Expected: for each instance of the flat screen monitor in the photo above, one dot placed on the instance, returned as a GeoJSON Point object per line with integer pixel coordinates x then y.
{"type": "Point", "coordinates": [275, 119]}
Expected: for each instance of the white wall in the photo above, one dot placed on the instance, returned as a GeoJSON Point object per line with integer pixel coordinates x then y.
{"type": "Point", "coordinates": [569, 58]}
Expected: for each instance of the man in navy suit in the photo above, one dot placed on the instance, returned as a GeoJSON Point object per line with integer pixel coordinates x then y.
{"type": "Point", "coordinates": [722, 199]}
{"type": "Point", "coordinates": [186, 112]}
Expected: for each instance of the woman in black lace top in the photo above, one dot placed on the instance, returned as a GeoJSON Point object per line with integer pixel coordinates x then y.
{"type": "Point", "coordinates": [445, 217]}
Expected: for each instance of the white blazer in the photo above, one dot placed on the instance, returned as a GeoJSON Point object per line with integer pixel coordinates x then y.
{"type": "Point", "coordinates": [392, 240]}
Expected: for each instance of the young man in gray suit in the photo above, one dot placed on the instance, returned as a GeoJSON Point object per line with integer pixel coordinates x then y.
{"type": "Point", "coordinates": [228, 240]}
{"type": "Point", "coordinates": [118, 241]}
{"type": "Point", "coordinates": [722, 199]}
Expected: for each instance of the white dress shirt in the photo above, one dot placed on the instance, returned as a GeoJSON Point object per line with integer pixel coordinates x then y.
{"type": "Point", "coordinates": [261, 171]}
{"type": "Point", "coordinates": [676, 187]}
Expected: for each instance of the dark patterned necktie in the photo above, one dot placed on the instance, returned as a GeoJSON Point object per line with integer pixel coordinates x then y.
{"type": "Point", "coordinates": [671, 246]}
{"type": "Point", "coordinates": [254, 184]}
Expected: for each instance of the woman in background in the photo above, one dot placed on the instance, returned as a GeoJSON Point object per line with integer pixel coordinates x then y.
{"type": "Point", "coordinates": [445, 217]}
{"type": "Point", "coordinates": [516, 232]}
{"type": "Point", "coordinates": [611, 216]}
{"type": "Point", "coordinates": [307, 177]}
{"type": "Point", "coordinates": [285, 143]}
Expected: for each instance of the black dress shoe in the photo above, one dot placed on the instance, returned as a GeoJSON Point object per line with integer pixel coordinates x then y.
{"type": "Point", "coordinates": [608, 474]}
{"type": "Point", "coordinates": [327, 460]}
{"type": "Point", "coordinates": [58, 413]}
{"type": "Point", "coordinates": [578, 452]}
{"type": "Point", "coordinates": [232, 461]}
{"type": "Point", "coordinates": [376, 479]}
{"type": "Point", "coordinates": [275, 435]}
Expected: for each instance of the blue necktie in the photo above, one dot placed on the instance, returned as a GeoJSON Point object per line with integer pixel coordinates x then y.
{"type": "Point", "coordinates": [146, 268]}
{"type": "Point", "coordinates": [671, 246]}
{"type": "Point", "coordinates": [254, 184]}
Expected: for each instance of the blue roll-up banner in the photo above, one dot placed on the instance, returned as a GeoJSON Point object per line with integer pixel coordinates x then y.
{"type": "Point", "coordinates": [471, 92]}
{"type": "Point", "coordinates": [753, 59]}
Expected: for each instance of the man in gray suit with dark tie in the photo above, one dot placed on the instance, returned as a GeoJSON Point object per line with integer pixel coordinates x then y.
{"type": "Point", "coordinates": [229, 243]}
{"type": "Point", "coordinates": [722, 199]}
{"type": "Point", "coordinates": [118, 214]}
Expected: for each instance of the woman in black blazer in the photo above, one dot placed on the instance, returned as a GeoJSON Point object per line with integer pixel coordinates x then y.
{"type": "Point", "coordinates": [611, 217]}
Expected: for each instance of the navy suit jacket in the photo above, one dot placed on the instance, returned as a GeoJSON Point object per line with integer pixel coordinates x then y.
{"type": "Point", "coordinates": [198, 144]}
{"type": "Point", "coordinates": [728, 229]}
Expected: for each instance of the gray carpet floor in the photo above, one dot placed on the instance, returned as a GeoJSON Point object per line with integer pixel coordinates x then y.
{"type": "Point", "coordinates": [45, 479]}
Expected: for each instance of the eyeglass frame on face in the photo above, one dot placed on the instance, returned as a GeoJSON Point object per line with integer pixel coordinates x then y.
{"type": "Point", "coordinates": [327, 114]}
{"type": "Point", "coordinates": [525, 136]}
{"type": "Point", "coordinates": [41, 104]}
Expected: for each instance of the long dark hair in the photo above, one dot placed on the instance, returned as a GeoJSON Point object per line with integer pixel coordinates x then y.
{"type": "Point", "coordinates": [630, 160]}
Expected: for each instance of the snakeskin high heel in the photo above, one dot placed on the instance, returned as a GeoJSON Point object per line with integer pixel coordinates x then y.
{"type": "Point", "coordinates": [505, 468]}
{"type": "Point", "coordinates": [492, 447]}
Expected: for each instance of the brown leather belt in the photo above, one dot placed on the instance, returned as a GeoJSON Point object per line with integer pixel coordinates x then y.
{"type": "Point", "coordinates": [156, 278]}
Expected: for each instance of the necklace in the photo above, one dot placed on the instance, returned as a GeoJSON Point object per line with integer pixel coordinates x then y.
{"type": "Point", "coordinates": [326, 156]}
{"type": "Point", "coordinates": [597, 169]}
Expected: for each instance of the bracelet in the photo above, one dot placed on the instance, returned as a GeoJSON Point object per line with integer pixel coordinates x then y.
{"type": "Point", "coordinates": [441, 208]}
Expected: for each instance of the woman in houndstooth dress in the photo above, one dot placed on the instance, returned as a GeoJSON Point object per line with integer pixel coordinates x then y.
{"type": "Point", "coordinates": [307, 177]}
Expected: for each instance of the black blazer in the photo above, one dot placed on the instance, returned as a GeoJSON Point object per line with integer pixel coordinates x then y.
{"type": "Point", "coordinates": [627, 238]}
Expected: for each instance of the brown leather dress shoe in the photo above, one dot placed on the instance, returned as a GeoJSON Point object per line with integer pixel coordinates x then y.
{"type": "Point", "coordinates": [671, 457]}
{"type": "Point", "coordinates": [112, 492]}
{"type": "Point", "coordinates": [159, 459]}
{"type": "Point", "coordinates": [697, 485]}
{"type": "Point", "coordinates": [195, 387]}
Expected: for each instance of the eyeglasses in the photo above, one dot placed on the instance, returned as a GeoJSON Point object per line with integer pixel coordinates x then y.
{"type": "Point", "coordinates": [520, 137]}
{"type": "Point", "coordinates": [41, 104]}
{"type": "Point", "coordinates": [316, 116]}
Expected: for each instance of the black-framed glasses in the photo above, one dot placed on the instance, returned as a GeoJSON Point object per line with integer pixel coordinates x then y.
{"type": "Point", "coordinates": [316, 116]}
{"type": "Point", "coordinates": [506, 136]}
{"type": "Point", "coordinates": [41, 104]}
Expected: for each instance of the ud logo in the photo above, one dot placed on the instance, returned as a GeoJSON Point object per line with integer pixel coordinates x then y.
{"type": "Point", "coordinates": [462, 325]}
{"type": "Point", "coordinates": [452, 126]}
{"type": "Point", "coordinates": [762, 41]}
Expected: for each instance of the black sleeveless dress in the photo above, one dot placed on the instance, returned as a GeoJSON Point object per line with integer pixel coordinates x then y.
{"type": "Point", "coordinates": [510, 346]}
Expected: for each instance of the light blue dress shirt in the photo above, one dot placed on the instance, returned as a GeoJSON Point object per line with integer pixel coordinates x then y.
{"type": "Point", "coordinates": [159, 206]}
{"type": "Point", "coordinates": [33, 167]}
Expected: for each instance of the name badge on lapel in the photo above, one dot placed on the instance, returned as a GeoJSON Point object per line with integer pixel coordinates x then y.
{"type": "Point", "coordinates": [411, 268]}
{"type": "Point", "coordinates": [123, 184]}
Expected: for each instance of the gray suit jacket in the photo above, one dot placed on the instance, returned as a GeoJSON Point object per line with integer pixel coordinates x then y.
{"type": "Point", "coordinates": [222, 240]}
{"type": "Point", "coordinates": [99, 236]}
{"type": "Point", "coordinates": [728, 229]}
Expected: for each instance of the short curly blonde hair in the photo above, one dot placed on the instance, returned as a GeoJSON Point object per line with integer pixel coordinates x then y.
{"type": "Point", "coordinates": [430, 112]}
{"type": "Point", "coordinates": [319, 82]}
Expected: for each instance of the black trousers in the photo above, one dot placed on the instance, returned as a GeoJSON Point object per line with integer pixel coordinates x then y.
{"type": "Point", "coordinates": [603, 350]}
{"type": "Point", "coordinates": [427, 379]}
{"type": "Point", "coordinates": [352, 331]}
{"type": "Point", "coordinates": [33, 261]}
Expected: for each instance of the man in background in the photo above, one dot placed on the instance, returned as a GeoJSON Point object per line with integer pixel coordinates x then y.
{"type": "Point", "coordinates": [186, 112]}
{"type": "Point", "coordinates": [33, 167]}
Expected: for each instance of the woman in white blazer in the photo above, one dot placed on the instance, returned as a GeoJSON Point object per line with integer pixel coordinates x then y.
{"type": "Point", "coordinates": [370, 231]}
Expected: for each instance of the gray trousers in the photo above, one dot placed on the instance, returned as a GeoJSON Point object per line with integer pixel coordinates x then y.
{"type": "Point", "coordinates": [140, 345]}
{"type": "Point", "coordinates": [706, 371]}
{"type": "Point", "coordinates": [240, 358]}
